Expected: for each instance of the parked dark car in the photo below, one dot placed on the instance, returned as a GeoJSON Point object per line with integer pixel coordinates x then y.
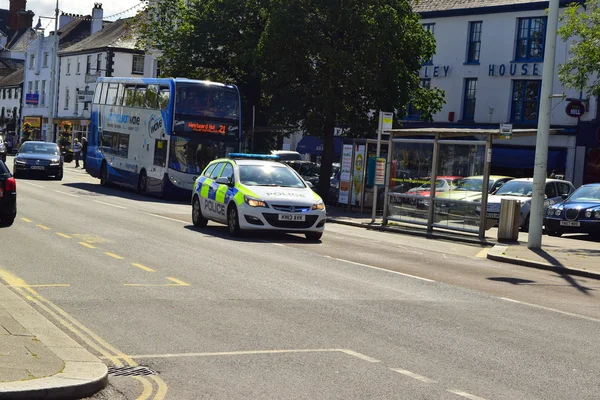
{"type": "Point", "coordinates": [39, 158]}
{"type": "Point", "coordinates": [3, 149]}
{"type": "Point", "coordinates": [8, 196]}
{"type": "Point", "coordinates": [308, 170]}
{"type": "Point", "coordinates": [577, 213]}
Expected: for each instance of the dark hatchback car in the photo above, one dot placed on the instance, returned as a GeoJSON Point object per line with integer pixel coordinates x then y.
{"type": "Point", "coordinates": [579, 213]}
{"type": "Point", "coordinates": [8, 196]}
{"type": "Point", "coordinates": [40, 159]}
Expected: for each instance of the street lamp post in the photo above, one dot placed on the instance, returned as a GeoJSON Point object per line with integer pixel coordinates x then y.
{"type": "Point", "coordinates": [53, 80]}
{"type": "Point", "coordinates": [536, 215]}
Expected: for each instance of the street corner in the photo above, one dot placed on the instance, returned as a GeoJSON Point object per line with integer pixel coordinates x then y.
{"type": "Point", "coordinates": [38, 359]}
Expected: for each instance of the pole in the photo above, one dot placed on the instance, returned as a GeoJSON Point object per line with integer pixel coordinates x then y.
{"type": "Point", "coordinates": [378, 153]}
{"type": "Point", "coordinates": [53, 80]}
{"type": "Point", "coordinates": [253, 122]}
{"type": "Point", "coordinates": [487, 160]}
{"type": "Point", "coordinates": [543, 132]}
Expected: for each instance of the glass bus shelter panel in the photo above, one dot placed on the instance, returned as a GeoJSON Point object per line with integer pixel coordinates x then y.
{"type": "Point", "coordinates": [410, 184]}
{"type": "Point", "coordinates": [456, 202]}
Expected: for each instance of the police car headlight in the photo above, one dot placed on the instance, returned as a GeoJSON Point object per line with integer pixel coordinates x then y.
{"type": "Point", "coordinates": [254, 202]}
{"type": "Point", "coordinates": [318, 205]}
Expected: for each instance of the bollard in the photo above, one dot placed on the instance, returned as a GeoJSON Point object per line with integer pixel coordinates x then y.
{"type": "Point", "coordinates": [510, 219]}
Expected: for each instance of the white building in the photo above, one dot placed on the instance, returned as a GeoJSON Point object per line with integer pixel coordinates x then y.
{"type": "Point", "coordinates": [109, 52]}
{"type": "Point", "coordinates": [489, 61]}
{"type": "Point", "coordinates": [11, 87]}
{"type": "Point", "coordinates": [72, 29]}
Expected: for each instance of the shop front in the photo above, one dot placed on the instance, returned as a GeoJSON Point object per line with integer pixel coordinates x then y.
{"type": "Point", "coordinates": [588, 141]}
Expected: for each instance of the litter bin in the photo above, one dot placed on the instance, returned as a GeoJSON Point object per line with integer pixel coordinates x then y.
{"type": "Point", "coordinates": [510, 219]}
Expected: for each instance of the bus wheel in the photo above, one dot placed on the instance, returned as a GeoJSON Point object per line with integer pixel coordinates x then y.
{"type": "Point", "coordinates": [142, 187]}
{"type": "Point", "coordinates": [104, 175]}
{"type": "Point", "coordinates": [197, 217]}
{"type": "Point", "coordinates": [233, 222]}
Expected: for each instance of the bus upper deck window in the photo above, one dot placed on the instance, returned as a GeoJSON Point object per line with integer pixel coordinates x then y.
{"type": "Point", "coordinates": [163, 97]}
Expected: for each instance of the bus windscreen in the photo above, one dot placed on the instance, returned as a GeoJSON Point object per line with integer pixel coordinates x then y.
{"type": "Point", "coordinates": [206, 101]}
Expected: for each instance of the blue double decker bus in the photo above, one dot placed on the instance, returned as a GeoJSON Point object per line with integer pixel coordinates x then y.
{"type": "Point", "coordinates": [157, 135]}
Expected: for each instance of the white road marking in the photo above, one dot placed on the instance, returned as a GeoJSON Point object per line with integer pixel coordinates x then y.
{"type": "Point", "coordinates": [170, 219]}
{"type": "Point", "coordinates": [256, 352]}
{"type": "Point", "coordinates": [483, 253]}
{"type": "Point", "coordinates": [65, 193]}
{"type": "Point", "coordinates": [359, 355]}
{"type": "Point", "coordinates": [552, 309]}
{"type": "Point", "coordinates": [109, 204]}
{"type": "Point", "coordinates": [31, 184]}
{"type": "Point", "coordinates": [465, 394]}
{"type": "Point", "coordinates": [413, 375]}
{"type": "Point", "coordinates": [381, 269]}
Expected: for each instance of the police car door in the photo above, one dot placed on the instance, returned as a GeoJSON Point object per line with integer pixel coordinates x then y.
{"type": "Point", "coordinates": [207, 194]}
{"type": "Point", "coordinates": [224, 193]}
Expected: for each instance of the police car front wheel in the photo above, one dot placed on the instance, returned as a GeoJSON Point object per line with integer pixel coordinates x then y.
{"type": "Point", "coordinates": [197, 217]}
{"type": "Point", "coordinates": [233, 222]}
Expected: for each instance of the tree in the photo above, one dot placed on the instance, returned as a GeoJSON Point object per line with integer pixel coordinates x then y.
{"type": "Point", "coordinates": [330, 62]}
{"type": "Point", "coordinates": [312, 64]}
{"type": "Point", "coordinates": [581, 70]}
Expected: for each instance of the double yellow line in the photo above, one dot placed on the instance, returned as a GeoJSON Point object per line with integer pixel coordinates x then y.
{"type": "Point", "coordinates": [114, 355]}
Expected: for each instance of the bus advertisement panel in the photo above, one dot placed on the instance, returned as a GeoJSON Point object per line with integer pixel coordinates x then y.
{"type": "Point", "coordinates": [157, 135]}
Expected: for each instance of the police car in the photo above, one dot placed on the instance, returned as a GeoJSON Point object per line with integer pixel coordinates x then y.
{"type": "Point", "coordinates": [255, 192]}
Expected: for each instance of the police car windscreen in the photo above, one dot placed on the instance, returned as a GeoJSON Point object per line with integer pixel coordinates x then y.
{"type": "Point", "coordinates": [206, 101]}
{"type": "Point", "coordinates": [261, 175]}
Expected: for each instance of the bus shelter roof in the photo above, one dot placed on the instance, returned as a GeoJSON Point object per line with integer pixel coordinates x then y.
{"type": "Point", "coordinates": [459, 132]}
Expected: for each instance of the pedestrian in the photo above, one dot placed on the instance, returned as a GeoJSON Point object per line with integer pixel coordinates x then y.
{"type": "Point", "coordinates": [84, 145]}
{"type": "Point", "coordinates": [553, 174]}
{"type": "Point", "coordinates": [76, 152]}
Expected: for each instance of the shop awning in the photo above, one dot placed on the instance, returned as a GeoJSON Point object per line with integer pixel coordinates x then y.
{"type": "Point", "coordinates": [314, 145]}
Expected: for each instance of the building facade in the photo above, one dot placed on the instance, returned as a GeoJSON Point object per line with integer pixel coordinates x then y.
{"type": "Point", "coordinates": [38, 66]}
{"type": "Point", "coordinates": [489, 61]}
{"type": "Point", "coordinates": [11, 89]}
{"type": "Point", "coordinates": [109, 52]}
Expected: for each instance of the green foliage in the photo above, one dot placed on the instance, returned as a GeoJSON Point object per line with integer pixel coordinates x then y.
{"type": "Point", "coordinates": [582, 26]}
{"type": "Point", "coordinates": [312, 64]}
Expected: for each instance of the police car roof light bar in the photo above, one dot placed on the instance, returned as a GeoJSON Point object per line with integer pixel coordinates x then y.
{"type": "Point", "coordinates": [254, 156]}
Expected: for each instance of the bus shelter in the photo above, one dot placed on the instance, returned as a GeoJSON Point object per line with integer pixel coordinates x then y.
{"type": "Point", "coordinates": [439, 177]}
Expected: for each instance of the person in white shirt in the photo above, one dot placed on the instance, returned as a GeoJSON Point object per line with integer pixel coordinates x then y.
{"type": "Point", "coordinates": [76, 151]}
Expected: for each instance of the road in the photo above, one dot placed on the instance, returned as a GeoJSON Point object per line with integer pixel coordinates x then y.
{"type": "Point", "coordinates": [361, 315]}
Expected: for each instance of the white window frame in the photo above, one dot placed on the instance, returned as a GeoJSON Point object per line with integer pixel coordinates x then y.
{"type": "Point", "coordinates": [43, 99]}
{"type": "Point", "coordinates": [67, 94]}
{"type": "Point", "coordinates": [78, 65]}
{"type": "Point", "coordinates": [31, 61]}
{"type": "Point", "coordinates": [68, 65]}
{"type": "Point", "coordinates": [46, 57]}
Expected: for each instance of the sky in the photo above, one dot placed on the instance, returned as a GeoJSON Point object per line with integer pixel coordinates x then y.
{"type": "Point", "coordinates": [46, 8]}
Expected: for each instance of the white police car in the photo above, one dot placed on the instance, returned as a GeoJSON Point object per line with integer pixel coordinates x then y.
{"type": "Point", "coordinates": [255, 192]}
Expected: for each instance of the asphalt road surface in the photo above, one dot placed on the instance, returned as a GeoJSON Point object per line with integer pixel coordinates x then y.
{"type": "Point", "coordinates": [361, 315]}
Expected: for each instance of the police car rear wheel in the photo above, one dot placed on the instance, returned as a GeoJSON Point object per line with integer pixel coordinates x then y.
{"type": "Point", "coordinates": [197, 217]}
{"type": "Point", "coordinates": [313, 236]}
{"type": "Point", "coordinates": [232, 221]}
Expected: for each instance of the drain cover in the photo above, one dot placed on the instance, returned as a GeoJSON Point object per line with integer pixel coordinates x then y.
{"type": "Point", "coordinates": [130, 371]}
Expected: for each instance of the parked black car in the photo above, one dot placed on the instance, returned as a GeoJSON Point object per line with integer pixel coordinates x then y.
{"type": "Point", "coordinates": [8, 196]}
{"type": "Point", "coordinates": [577, 213]}
{"type": "Point", "coordinates": [39, 158]}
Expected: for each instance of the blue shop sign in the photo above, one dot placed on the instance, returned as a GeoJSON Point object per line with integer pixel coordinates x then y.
{"type": "Point", "coordinates": [32, 98]}
{"type": "Point", "coordinates": [514, 69]}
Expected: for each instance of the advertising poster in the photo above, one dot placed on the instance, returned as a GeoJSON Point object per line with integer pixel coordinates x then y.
{"type": "Point", "coordinates": [345, 174]}
{"type": "Point", "coordinates": [32, 128]}
{"type": "Point", "coordinates": [357, 177]}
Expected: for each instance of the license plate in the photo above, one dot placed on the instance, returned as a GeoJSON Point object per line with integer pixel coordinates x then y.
{"type": "Point", "coordinates": [38, 167]}
{"type": "Point", "coordinates": [493, 215]}
{"type": "Point", "coordinates": [570, 223]}
{"type": "Point", "coordinates": [291, 217]}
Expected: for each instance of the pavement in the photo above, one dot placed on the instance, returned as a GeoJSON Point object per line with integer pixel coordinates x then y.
{"type": "Point", "coordinates": [38, 360]}
{"type": "Point", "coordinates": [570, 254]}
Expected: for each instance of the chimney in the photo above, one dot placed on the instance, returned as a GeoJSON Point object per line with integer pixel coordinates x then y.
{"type": "Point", "coordinates": [25, 19]}
{"type": "Point", "coordinates": [97, 16]}
{"type": "Point", "coordinates": [64, 19]}
{"type": "Point", "coordinates": [15, 7]}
